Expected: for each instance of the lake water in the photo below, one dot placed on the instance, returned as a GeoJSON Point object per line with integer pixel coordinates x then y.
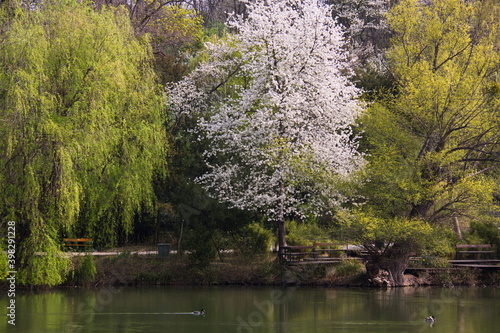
{"type": "Point", "coordinates": [255, 310]}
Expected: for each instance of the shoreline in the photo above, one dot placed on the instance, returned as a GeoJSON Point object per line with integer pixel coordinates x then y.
{"type": "Point", "coordinates": [149, 269]}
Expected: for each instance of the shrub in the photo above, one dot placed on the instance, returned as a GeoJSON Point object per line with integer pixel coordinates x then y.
{"type": "Point", "coordinates": [254, 240]}
{"type": "Point", "coordinates": [303, 233]}
{"type": "Point", "coordinates": [350, 268]}
{"type": "Point", "coordinates": [434, 262]}
{"type": "Point", "coordinates": [85, 270]}
{"type": "Point", "coordinates": [199, 242]}
{"type": "Point", "coordinates": [486, 233]}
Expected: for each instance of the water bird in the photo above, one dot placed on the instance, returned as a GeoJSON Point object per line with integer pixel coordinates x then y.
{"type": "Point", "coordinates": [199, 313]}
{"type": "Point", "coordinates": [430, 319]}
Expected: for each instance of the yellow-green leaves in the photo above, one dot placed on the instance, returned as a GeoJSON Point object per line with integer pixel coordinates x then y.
{"type": "Point", "coordinates": [429, 36]}
{"type": "Point", "coordinates": [368, 229]}
{"type": "Point", "coordinates": [83, 121]}
{"type": "Point", "coordinates": [177, 25]}
{"type": "Point", "coordinates": [433, 139]}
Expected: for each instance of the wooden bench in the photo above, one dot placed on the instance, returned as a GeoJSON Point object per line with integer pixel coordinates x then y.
{"type": "Point", "coordinates": [79, 243]}
{"type": "Point", "coordinates": [475, 250]}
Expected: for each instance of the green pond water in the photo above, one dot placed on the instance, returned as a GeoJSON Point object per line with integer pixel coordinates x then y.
{"type": "Point", "coordinates": [252, 310]}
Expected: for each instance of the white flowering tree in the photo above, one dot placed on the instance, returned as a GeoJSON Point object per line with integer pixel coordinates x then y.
{"type": "Point", "coordinates": [279, 110]}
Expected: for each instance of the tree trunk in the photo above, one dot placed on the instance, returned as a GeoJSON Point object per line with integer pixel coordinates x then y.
{"type": "Point", "coordinates": [386, 268]}
{"type": "Point", "coordinates": [281, 237]}
{"type": "Point", "coordinates": [421, 210]}
{"type": "Point", "coordinates": [386, 275]}
{"type": "Point", "coordinates": [281, 223]}
{"type": "Point", "coordinates": [396, 271]}
{"type": "Point", "coordinates": [457, 226]}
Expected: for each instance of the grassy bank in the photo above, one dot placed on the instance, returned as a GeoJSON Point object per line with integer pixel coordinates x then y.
{"type": "Point", "coordinates": [150, 269]}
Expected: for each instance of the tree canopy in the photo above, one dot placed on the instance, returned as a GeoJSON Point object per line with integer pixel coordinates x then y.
{"type": "Point", "coordinates": [444, 59]}
{"type": "Point", "coordinates": [284, 130]}
{"type": "Point", "coordinates": [81, 127]}
{"type": "Point", "coordinates": [269, 121]}
{"type": "Point", "coordinates": [432, 141]}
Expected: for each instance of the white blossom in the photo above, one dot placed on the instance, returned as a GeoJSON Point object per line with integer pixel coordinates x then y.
{"type": "Point", "coordinates": [283, 127]}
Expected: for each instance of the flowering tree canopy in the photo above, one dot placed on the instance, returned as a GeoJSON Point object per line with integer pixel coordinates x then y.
{"type": "Point", "coordinates": [279, 110]}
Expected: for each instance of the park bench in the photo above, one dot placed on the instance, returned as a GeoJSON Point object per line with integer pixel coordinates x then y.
{"type": "Point", "coordinates": [473, 250]}
{"type": "Point", "coordinates": [79, 243]}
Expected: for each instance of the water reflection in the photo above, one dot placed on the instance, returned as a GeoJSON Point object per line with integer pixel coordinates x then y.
{"type": "Point", "coordinates": [256, 310]}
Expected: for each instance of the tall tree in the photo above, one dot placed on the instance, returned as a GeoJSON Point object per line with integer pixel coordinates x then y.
{"type": "Point", "coordinates": [435, 139]}
{"type": "Point", "coordinates": [445, 59]}
{"type": "Point", "coordinates": [81, 129]}
{"type": "Point", "coordinates": [280, 126]}
{"type": "Point", "coordinates": [175, 30]}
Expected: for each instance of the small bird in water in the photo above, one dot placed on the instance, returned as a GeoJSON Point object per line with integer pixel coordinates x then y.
{"type": "Point", "coordinates": [430, 319]}
{"type": "Point", "coordinates": [199, 313]}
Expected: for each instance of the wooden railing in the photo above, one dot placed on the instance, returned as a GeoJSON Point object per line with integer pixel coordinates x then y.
{"type": "Point", "coordinates": [474, 251]}
{"type": "Point", "coordinates": [320, 252]}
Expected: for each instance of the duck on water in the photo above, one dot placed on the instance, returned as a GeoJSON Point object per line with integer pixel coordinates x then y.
{"type": "Point", "coordinates": [199, 313]}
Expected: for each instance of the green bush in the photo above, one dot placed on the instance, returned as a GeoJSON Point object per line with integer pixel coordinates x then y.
{"type": "Point", "coordinates": [85, 270]}
{"type": "Point", "coordinates": [199, 242]}
{"type": "Point", "coordinates": [350, 268]}
{"type": "Point", "coordinates": [434, 262]}
{"type": "Point", "coordinates": [486, 233]}
{"type": "Point", "coordinates": [254, 240]}
{"type": "Point", "coordinates": [445, 247]}
{"type": "Point", "coordinates": [50, 269]}
{"type": "Point", "coordinates": [303, 234]}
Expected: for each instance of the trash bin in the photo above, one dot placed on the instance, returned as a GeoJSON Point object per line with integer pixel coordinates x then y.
{"type": "Point", "coordinates": [164, 250]}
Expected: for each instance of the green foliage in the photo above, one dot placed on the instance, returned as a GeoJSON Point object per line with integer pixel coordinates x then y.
{"type": "Point", "coordinates": [377, 233]}
{"type": "Point", "coordinates": [199, 243]}
{"type": "Point", "coordinates": [391, 181]}
{"type": "Point", "coordinates": [442, 244]}
{"type": "Point", "coordinates": [254, 240]}
{"type": "Point", "coordinates": [85, 271]}
{"type": "Point", "coordinates": [175, 33]}
{"type": "Point", "coordinates": [215, 29]}
{"type": "Point", "coordinates": [42, 263]}
{"type": "Point", "coordinates": [177, 25]}
{"type": "Point", "coordinates": [4, 265]}
{"type": "Point", "coordinates": [349, 268]}
{"type": "Point", "coordinates": [304, 234]}
{"type": "Point", "coordinates": [435, 262]}
{"type": "Point", "coordinates": [82, 126]}
{"type": "Point", "coordinates": [486, 233]}
{"type": "Point", "coordinates": [431, 140]}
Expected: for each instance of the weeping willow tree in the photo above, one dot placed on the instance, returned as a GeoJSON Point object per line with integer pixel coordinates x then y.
{"type": "Point", "coordinates": [81, 129]}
